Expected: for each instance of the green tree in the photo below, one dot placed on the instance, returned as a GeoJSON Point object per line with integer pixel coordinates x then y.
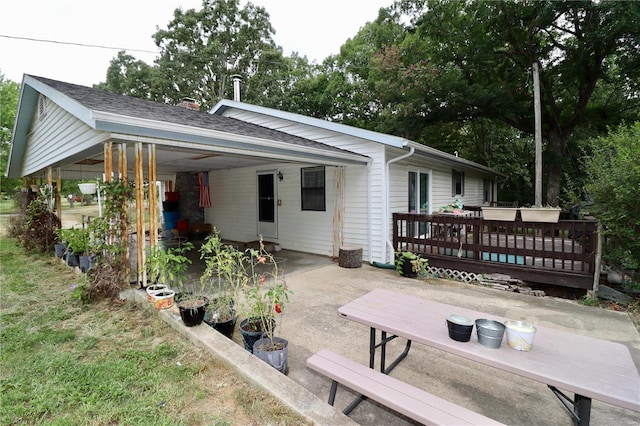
{"type": "Point", "coordinates": [128, 76]}
{"type": "Point", "coordinates": [9, 92]}
{"type": "Point", "coordinates": [613, 181]}
{"type": "Point", "coordinates": [200, 51]}
{"type": "Point", "coordinates": [473, 59]}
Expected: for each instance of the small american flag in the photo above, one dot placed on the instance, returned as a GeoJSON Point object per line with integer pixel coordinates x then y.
{"type": "Point", "coordinates": [205, 197]}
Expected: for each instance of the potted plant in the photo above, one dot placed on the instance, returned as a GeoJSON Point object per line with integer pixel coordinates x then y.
{"type": "Point", "coordinates": [226, 271]}
{"type": "Point", "coordinates": [60, 246]}
{"type": "Point", "coordinates": [167, 267]}
{"type": "Point", "coordinates": [77, 244]}
{"type": "Point", "coordinates": [88, 188]}
{"type": "Point", "coordinates": [409, 264]}
{"type": "Point", "coordinates": [192, 305]}
{"type": "Point", "coordinates": [265, 296]}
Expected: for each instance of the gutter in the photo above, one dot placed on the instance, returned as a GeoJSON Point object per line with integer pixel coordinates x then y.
{"type": "Point", "coordinates": [389, 243]}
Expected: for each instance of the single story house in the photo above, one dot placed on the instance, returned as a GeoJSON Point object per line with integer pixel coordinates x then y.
{"type": "Point", "coordinates": [307, 184]}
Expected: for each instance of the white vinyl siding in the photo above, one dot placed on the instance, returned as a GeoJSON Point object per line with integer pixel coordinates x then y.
{"type": "Point", "coordinates": [62, 131]}
{"type": "Point", "coordinates": [364, 201]}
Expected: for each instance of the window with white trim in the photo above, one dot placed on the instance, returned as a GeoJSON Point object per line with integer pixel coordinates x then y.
{"type": "Point", "coordinates": [313, 188]}
{"type": "Point", "coordinates": [457, 183]}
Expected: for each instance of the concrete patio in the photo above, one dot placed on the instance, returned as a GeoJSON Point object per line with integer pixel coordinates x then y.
{"type": "Point", "coordinates": [310, 323]}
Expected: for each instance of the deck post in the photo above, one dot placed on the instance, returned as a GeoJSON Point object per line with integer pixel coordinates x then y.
{"type": "Point", "coordinates": [598, 262]}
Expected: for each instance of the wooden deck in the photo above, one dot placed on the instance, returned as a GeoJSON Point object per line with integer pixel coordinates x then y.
{"type": "Point", "coordinates": [563, 253]}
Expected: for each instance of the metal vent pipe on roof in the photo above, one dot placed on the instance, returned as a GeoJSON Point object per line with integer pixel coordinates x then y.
{"type": "Point", "coordinates": [237, 81]}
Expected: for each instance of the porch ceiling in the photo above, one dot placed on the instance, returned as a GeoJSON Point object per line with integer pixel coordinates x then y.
{"type": "Point", "coordinates": [170, 160]}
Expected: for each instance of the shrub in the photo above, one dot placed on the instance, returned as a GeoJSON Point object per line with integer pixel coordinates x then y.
{"type": "Point", "coordinates": [613, 182]}
{"type": "Point", "coordinates": [39, 229]}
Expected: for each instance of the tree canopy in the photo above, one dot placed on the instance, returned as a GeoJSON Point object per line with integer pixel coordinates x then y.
{"type": "Point", "coordinates": [200, 50]}
{"type": "Point", "coordinates": [9, 92]}
{"type": "Point", "coordinates": [453, 75]}
{"type": "Point", "coordinates": [464, 60]}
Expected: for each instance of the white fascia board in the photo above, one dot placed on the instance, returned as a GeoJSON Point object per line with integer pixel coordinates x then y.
{"type": "Point", "coordinates": [370, 135]}
{"type": "Point", "coordinates": [436, 153]}
{"type": "Point", "coordinates": [72, 106]}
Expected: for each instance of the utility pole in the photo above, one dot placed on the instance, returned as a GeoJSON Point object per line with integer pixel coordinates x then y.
{"type": "Point", "coordinates": [538, 129]}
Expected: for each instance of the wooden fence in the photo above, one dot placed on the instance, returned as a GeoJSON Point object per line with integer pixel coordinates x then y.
{"type": "Point", "coordinates": [563, 253]}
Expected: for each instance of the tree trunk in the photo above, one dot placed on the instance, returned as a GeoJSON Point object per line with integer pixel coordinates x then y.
{"type": "Point", "coordinates": [555, 147]}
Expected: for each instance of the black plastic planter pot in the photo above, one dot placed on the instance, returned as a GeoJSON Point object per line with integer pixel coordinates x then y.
{"type": "Point", "coordinates": [249, 337]}
{"type": "Point", "coordinates": [59, 248]}
{"type": "Point", "coordinates": [225, 328]}
{"type": "Point", "coordinates": [84, 263]}
{"type": "Point", "coordinates": [73, 260]}
{"type": "Point", "coordinates": [192, 311]}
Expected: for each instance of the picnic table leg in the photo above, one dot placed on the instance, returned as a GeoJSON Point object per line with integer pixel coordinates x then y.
{"type": "Point", "coordinates": [579, 407]}
{"type": "Point", "coordinates": [372, 360]}
{"type": "Point", "coordinates": [373, 345]}
{"type": "Point", "coordinates": [582, 405]}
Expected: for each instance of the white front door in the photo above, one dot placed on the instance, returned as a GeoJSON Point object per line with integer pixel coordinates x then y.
{"type": "Point", "coordinates": [267, 204]}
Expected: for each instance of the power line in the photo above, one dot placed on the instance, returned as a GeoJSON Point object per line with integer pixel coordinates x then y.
{"type": "Point", "coordinates": [70, 43]}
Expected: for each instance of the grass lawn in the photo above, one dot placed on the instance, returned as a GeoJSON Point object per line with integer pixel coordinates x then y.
{"type": "Point", "coordinates": [67, 363]}
{"type": "Point", "coordinates": [8, 207]}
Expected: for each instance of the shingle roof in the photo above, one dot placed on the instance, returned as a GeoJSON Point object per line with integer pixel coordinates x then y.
{"type": "Point", "coordinates": [100, 100]}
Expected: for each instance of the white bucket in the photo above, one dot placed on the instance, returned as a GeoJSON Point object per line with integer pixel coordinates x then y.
{"type": "Point", "coordinates": [153, 289]}
{"type": "Point", "coordinates": [520, 335]}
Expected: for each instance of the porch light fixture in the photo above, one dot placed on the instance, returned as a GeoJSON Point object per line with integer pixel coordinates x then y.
{"type": "Point", "coordinates": [280, 176]}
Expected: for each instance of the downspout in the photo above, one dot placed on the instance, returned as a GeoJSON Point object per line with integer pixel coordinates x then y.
{"type": "Point", "coordinates": [386, 199]}
{"type": "Point", "coordinates": [369, 208]}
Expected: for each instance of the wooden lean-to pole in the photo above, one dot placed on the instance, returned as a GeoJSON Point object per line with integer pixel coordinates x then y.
{"type": "Point", "coordinates": [108, 161]}
{"type": "Point", "coordinates": [124, 231]}
{"type": "Point", "coordinates": [153, 197]}
{"type": "Point", "coordinates": [139, 173]}
{"type": "Point", "coordinates": [538, 135]}
{"type": "Point", "coordinates": [58, 189]}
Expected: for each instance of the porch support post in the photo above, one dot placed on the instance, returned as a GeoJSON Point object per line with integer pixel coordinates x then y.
{"type": "Point", "coordinates": [139, 172]}
{"type": "Point", "coordinates": [58, 189]}
{"type": "Point", "coordinates": [124, 236]}
{"type": "Point", "coordinates": [50, 187]}
{"type": "Point", "coordinates": [108, 161]}
{"type": "Point", "coordinates": [153, 197]}
{"type": "Point", "coordinates": [598, 262]}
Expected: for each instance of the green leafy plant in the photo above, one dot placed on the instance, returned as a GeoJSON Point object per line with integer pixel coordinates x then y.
{"type": "Point", "coordinates": [589, 300]}
{"type": "Point", "coordinates": [613, 169]}
{"type": "Point", "coordinates": [169, 265]}
{"type": "Point", "coordinates": [79, 289]}
{"type": "Point", "coordinates": [76, 239]}
{"type": "Point", "coordinates": [418, 264]}
{"type": "Point", "coordinates": [110, 241]}
{"type": "Point", "coordinates": [266, 294]}
{"type": "Point", "coordinates": [38, 233]}
{"type": "Point", "coordinates": [226, 272]}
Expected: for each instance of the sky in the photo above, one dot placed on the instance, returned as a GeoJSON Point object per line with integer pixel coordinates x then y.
{"type": "Point", "coordinates": [313, 28]}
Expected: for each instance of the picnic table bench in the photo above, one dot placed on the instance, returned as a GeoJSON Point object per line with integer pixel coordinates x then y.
{"type": "Point", "coordinates": [414, 403]}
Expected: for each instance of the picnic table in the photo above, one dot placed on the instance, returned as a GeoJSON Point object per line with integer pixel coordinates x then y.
{"type": "Point", "coordinates": [566, 362]}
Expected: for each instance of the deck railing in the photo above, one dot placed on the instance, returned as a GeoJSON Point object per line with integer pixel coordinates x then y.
{"type": "Point", "coordinates": [562, 253]}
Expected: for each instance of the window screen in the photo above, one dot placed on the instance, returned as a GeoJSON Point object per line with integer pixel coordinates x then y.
{"type": "Point", "coordinates": [457, 183]}
{"type": "Point", "coordinates": [313, 188]}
